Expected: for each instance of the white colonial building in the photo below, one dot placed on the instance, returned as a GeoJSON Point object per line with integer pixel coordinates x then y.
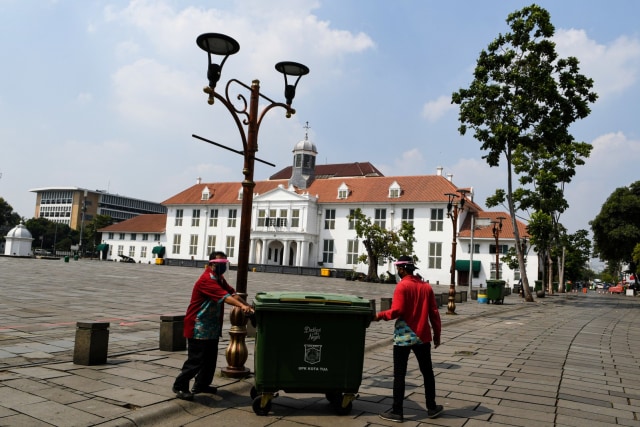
{"type": "Point", "coordinates": [300, 218]}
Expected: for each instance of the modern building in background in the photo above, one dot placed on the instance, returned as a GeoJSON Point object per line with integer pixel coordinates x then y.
{"type": "Point", "coordinates": [66, 205]}
{"type": "Point", "coordinates": [300, 218]}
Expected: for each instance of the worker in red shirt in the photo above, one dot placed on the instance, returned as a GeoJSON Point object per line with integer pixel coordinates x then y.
{"type": "Point", "coordinates": [203, 327]}
{"type": "Point", "coordinates": [413, 307]}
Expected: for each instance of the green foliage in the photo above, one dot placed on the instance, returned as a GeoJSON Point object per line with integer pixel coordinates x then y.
{"type": "Point", "coordinates": [577, 252]}
{"type": "Point", "coordinates": [616, 228]}
{"type": "Point", "coordinates": [92, 235]}
{"type": "Point", "coordinates": [381, 244]}
{"type": "Point", "coordinates": [520, 106]}
{"type": "Point", "coordinates": [8, 218]}
{"type": "Point", "coordinates": [55, 236]}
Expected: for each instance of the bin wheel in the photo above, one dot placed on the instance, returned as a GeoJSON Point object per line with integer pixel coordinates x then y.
{"type": "Point", "coordinates": [253, 393]}
{"type": "Point", "coordinates": [334, 397]}
{"type": "Point", "coordinates": [258, 409]}
{"type": "Point", "coordinates": [343, 411]}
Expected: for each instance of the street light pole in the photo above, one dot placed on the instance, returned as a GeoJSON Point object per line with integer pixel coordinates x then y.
{"type": "Point", "coordinates": [497, 229]}
{"type": "Point", "coordinates": [453, 208]}
{"type": "Point", "coordinates": [220, 44]}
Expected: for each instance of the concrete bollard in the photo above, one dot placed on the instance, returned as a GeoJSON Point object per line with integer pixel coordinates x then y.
{"type": "Point", "coordinates": [172, 333]}
{"type": "Point", "coordinates": [385, 304]}
{"type": "Point", "coordinates": [92, 343]}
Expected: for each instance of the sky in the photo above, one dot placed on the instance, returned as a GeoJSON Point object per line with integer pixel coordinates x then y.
{"type": "Point", "coordinates": [106, 95]}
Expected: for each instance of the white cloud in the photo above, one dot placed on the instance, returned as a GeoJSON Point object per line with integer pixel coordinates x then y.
{"type": "Point", "coordinates": [613, 67]}
{"type": "Point", "coordinates": [434, 110]}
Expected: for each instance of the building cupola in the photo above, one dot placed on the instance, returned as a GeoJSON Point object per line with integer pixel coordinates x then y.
{"type": "Point", "coordinates": [304, 162]}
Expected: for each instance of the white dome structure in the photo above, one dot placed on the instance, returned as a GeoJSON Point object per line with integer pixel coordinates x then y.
{"type": "Point", "coordinates": [18, 241]}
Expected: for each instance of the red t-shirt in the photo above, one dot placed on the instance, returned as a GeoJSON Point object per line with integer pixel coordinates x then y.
{"type": "Point", "coordinates": [207, 299]}
{"type": "Point", "coordinates": [415, 302]}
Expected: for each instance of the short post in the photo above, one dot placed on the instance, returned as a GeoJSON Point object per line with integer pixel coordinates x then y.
{"type": "Point", "coordinates": [92, 343]}
{"type": "Point", "coordinates": [172, 333]}
{"type": "Point", "coordinates": [385, 304]}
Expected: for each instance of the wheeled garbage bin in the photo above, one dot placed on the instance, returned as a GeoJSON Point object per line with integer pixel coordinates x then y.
{"type": "Point", "coordinates": [495, 291]}
{"type": "Point", "coordinates": [309, 343]}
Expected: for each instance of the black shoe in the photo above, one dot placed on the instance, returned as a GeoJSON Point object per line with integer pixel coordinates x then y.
{"type": "Point", "coordinates": [437, 410]}
{"type": "Point", "coordinates": [391, 416]}
{"type": "Point", "coordinates": [206, 389]}
{"type": "Point", "coordinates": [183, 394]}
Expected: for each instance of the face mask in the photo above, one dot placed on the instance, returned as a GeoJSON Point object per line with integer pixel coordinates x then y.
{"type": "Point", "coordinates": [220, 269]}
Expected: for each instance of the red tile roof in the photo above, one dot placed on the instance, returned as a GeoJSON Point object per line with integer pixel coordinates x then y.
{"type": "Point", "coordinates": [335, 170]}
{"type": "Point", "coordinates": [421, 188]}
{"type": "Point", "coordinates": [486, 231]}
{"type": "Point", "coordinates": [147, 223]}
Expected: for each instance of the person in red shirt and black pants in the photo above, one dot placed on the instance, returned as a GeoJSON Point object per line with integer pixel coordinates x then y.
{"type": "Point", "coordinates": [413, 307]}
{"type": "Point", "coordinates": [203, 327]}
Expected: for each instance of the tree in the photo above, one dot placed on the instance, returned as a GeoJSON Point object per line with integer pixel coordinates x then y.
{"type": "Point", "coordinates": [578, 250]}
{"type": "Point", "coordinates": [616, 229]}
{"type": "Point", "coordinates": [381, 244]}
{"type": "Point", "coordinates": [8, 218]}
{"type": "Point", "coordinates": [520, 106]}
{"type": "Point", "coordinates": [93, 236]}
{"type": "Point", "coordinates": [51, 235]}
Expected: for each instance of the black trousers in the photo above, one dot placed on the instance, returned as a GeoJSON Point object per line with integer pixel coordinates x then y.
{"type": "Point", "coordinates": [202, 356]}
{"type": "Point", "coordinates": [400, 360]}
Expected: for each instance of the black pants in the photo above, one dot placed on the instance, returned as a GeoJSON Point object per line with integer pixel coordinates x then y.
{"type": "Point", "coordinates": [400, 359]}
{"type": "Point", "coordinates": [202, 356]}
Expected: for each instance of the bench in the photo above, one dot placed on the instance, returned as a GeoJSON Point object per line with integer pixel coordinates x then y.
{"type": "Point", "coordinates": [616, 289]}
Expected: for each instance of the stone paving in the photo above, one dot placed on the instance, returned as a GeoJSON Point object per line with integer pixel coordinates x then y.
{"type": "Point", "coordinates": [565, 360]}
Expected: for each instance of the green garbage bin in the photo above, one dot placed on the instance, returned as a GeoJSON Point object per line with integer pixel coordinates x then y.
{"type": "Point", "coordinates": [75, 257]}
{"type": "Point", "coordinates": [538, 286]}
{"type": "Point", "coordinates": [309, 343]}
{"type": "Point", "coordinates": [495, 291]}
{"type": "Point", "coordinates": [66, 258]}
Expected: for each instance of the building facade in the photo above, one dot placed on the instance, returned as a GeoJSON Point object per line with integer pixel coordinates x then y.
{"type": "Point", "coordinates": [300, 218]}
{"type": "Point", "coordinates": [73, 205]}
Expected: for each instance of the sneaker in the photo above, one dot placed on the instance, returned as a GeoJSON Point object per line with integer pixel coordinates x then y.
{"type": "Point", "coordinates": [183, 394]}
{"type": "Point", "coordinates": [206, 389]}
{"type": "Point", "coordinates": [437, 410]}
{"type": "Point", "coordinates": [392, 416]}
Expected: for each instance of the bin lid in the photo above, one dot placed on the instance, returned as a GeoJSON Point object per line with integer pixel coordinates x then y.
{"type": "Point", "coordinates": [287, 300]}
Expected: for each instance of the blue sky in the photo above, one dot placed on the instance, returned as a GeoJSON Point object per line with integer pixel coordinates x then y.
{"type": "Point", "coordinates": [106, 94]}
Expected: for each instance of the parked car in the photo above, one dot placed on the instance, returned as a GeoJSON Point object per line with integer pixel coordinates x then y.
{"type": "Point", "coordinates": [42, 252]}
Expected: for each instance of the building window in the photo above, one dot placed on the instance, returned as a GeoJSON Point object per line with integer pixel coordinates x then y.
{"type": "Point", "coordinates": [213, 218]}
{"type": "Point", "coordinates": [111, 236]}
{"type": "Point", "coordinates": [231, 221]}
{"type": "Point", "coordinates": [195, 218]}
{"type": "Point", "coordinates": [327, 251]}
{"type": "Point", "coordinates": [121, 236]}
{"type": "Point", "coordinates": [133, 236]}
{"type": "Point", "coordinates": [493, 270]}
{"type": "Point", "coordinates": [262, 217]}
{"type": "Point", "coordinates": [145, 237]}
{"type": "Point", "coordinates": [342, 194]}
{"type": "Point", "coordinates": [143, 252]}
{"type": "Point", "coordinates": [437, 219]}
{"type": "Point", "coordinates": [352, 251]}
{"type": "Point", "coordinates": [329, 219]}
{"type": "Point", "coordinates": [503, 249]}
{"type": "Point", "coordinates": [177, 238]}
{"type": "Point", "coordinates": [295, 218]}
{"type": "Point", "coordinates": [435, 255]}
{"type": "Point", "coordinates": [352, 219]}
{"type": "Point", "coordinates": [211, 244]}
{"type": "Point", "coordinates": [179, 215]}
{"type": "Point", "coordinates": [516, 274]}
{"type": "Point", "coordinates": [231, 246]}
{"type": "Point", "coordinates": [156, 237]}
{"type": "Point", "coordinates": [282, 218]}
{"type": "Point", "coordinates": [120, 250]}
{"type": "Point", "coordinates": [407, 215]}
{"type": "Point", "coordinates": [132, 251]}
{"type": "Point", "coordinates": [193, 244]}
{"type": "Point", "coordinates": [381, 218]}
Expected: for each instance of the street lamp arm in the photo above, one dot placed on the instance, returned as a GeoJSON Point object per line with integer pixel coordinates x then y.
{"type": "Point", "coordinates": [235, 113]}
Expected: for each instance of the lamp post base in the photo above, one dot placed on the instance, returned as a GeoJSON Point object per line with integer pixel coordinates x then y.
{"type": "Point", "coordinates": [451, 305]}
{"type": "Point", "coordinates": [237, 353]}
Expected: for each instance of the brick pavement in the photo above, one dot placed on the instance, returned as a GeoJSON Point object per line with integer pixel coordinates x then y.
{"type": "Point", "coordinates": [564, 360]}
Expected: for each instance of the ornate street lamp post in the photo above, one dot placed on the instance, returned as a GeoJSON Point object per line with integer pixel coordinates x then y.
{"type": "Point", "coordinates": [497, 229]}
{"type": "Point", "coordinates": [248, 120]}
{"type": "Point", "coordinates": [454, 206]}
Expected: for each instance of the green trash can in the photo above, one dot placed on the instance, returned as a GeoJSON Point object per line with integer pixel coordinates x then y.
{"type": "Point", "coordinates": [538, 286]}
{"type": "Point", "coordinates": [309, 343]}
{"type": "Point", "coordinates": [495, 291]}
{"type": "Point", "coordinates": [75, 257]}
{"type": "Point", "coordinates": [66, 258]}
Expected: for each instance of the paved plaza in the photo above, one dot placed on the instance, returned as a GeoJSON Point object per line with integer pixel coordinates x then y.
{"type": "Point", "coordinates": [565, 360]}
